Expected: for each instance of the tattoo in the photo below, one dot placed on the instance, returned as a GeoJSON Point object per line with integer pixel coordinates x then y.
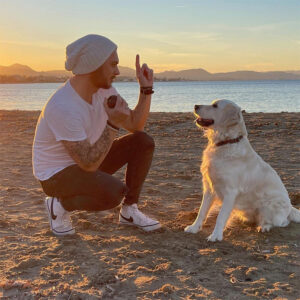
{"type": "Point", "coordinates": [88, 155]}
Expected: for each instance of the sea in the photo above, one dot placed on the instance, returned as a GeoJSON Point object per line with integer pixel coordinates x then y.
{"type": "Point", "coordinates": [175, 96]}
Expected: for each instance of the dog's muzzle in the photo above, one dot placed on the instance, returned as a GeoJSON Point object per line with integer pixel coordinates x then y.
{"type": "Point", "coordinates": [200, 121]}
{"type": "Point", "coordinates": [204, 122]}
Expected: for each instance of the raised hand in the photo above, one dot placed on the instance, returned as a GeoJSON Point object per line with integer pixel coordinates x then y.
{"type": "Point", "coordinates": [144, 74]}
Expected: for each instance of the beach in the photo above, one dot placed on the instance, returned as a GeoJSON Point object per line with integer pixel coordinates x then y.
{"type": "Point", "coordinates": [104, 260]}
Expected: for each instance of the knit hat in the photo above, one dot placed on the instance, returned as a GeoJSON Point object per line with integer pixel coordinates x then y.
{"type": "Point", "coordinates": [88, 53]}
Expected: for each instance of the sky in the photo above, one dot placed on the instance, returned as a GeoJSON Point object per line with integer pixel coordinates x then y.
{"type": "Point", "coordinates": [216, 35]}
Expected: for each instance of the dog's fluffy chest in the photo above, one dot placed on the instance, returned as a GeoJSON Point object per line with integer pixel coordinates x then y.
{"type": "Point", "coordinates": [228, 166]}
{"type": "Point", "coordinates": [221, 163]}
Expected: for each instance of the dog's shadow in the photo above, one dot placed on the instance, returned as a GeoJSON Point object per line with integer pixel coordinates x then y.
{"type": "Point", "coordinates": [239, 230]}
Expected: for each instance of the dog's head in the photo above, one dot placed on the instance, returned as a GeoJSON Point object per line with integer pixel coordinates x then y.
{"type": "Point", "coordinates": [222, 116]}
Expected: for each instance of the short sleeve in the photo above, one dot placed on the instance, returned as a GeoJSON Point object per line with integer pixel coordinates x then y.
{"type": "Point", "coordinates": [65, 125]}
{"type": "Point", "coordinates": [105, 93]}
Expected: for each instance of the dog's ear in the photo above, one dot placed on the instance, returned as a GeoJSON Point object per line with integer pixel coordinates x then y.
{"type": "Point", "coordinates": [231, 116]}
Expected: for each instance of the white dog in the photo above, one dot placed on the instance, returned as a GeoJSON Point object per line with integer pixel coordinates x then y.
{"type": "Point", "coordinates": [235, 174]}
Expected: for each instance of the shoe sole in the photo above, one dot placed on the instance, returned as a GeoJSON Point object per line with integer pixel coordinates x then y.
{"type": "Point", "coordinates": [59, 233]}
{"type": "Point", "coordinates": [145, 228]}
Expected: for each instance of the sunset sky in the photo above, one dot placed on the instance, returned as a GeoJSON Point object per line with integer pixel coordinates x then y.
{"type": "Point", "coordinates": [215, 35]}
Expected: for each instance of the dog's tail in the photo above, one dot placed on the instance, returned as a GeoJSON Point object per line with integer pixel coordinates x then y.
{"type": "Point", "coordinates": [294, 215]}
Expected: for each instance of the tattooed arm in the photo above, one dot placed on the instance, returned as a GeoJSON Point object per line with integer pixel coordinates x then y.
{"type": "Point", "coordinates": [87, 156]}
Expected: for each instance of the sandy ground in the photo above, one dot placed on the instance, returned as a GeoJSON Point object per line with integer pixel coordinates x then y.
{"type": "Point", "coordinates": [106, 261]}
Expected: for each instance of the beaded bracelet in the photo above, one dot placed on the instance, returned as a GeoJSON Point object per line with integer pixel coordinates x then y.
{"type": "Point", "coordinates": [146, 90]}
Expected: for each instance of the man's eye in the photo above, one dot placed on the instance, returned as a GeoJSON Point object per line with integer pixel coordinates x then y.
{"type": "Point", "coordinates": [215, 105]}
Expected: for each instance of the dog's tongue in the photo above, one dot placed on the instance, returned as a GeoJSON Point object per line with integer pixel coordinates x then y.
{"type": "Point", "coordinates": [204, 122]}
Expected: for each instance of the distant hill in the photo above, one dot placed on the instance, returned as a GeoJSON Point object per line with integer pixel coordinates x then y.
{"type": "Point", "coordinates": [17, 72]}
{"type": "Point", "coordinates": [17, 69]}
{"type": "Point", "coordinates": [293, 72]}
{"type": "Point", "coordinates": [252, 75]}
{"type": "Point", "coordinates": [193, 74]}
{"type": "Point", "coordinates": [23, 70]}
{"type": "Point", "coordinates": [126, 72]}
{"type": "Point", "coordinates": [57, 73]}
{"type": "Point", "coordinates": [202, 75]}
{"type": "Point", "coordinates": [23, 73]}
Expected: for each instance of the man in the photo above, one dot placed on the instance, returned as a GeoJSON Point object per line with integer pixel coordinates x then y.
{"type": "Point", "coordinates": [75, 149]}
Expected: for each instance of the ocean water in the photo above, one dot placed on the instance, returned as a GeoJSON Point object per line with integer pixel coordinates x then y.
{"type": "Point", "coordinates": [252, 96]}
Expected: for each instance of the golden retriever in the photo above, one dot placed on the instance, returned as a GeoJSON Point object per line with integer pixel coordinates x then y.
{"type": "Point", "coordinates": [236, 175]}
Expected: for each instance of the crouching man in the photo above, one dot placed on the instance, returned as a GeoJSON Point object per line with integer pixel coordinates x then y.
{"type": "Point", "coordinates": [76, 149]}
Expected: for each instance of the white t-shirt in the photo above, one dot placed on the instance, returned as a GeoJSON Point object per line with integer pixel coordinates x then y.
{"type": "Point", "coordinates": [66, 116]}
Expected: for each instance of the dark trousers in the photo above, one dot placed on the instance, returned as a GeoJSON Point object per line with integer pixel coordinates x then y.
{"type": "Point", "coordinates": [93, 191]}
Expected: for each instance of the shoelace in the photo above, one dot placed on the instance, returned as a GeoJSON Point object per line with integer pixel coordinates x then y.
{"type": "Point", "coordinates": [140, 215]}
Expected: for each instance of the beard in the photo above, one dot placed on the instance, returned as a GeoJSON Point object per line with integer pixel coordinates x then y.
{"type": "Point", "coordinates": [100, 82]}
{"type": "Point", "coordinates": [105, 85]}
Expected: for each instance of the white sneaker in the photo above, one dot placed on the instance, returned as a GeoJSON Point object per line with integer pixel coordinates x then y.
{"type": "Point", "coordinates": [59, 218]}
{"type": "Point", "coordinates": [131, 215]}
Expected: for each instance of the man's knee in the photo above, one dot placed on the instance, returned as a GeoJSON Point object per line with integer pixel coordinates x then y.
{"type": "Point", "coordinates": [144, 141]}
{"type": "Point", "coordinates": [113, 197]}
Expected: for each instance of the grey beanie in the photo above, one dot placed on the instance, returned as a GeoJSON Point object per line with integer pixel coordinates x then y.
{"type": "Point", "coordinates": [88, 53]}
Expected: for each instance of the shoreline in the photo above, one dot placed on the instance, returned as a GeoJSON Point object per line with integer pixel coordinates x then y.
{"type": "Point", "coordinates": [133, 80]}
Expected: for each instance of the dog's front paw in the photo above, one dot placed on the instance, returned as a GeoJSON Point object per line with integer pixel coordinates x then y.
{"type": "Point", "coordinates": [215, 237]}
{"type": "Point", "coordinates": [265, 228]}
{"type": "Point", "coordinates": [191, 229]}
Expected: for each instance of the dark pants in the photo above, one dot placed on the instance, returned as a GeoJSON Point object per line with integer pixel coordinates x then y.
{"type": "Point", "coordinates": [81, 190]}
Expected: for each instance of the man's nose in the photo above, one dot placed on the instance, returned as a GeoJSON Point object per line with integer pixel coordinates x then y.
{"type": "Point", "coordinates": [196, 107]}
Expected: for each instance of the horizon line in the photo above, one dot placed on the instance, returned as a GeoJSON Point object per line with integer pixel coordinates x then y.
{"type": "Point", "coordinates": [248, 70]}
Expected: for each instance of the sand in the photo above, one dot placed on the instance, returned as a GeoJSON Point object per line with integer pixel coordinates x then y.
{"type": "Point", "coordinates": [107, 261]}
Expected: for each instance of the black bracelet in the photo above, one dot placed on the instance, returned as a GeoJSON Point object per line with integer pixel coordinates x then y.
{"type": "Point", "coordinates": [112, 126]}
{"type": "Point", "coordinates": [146, 90]}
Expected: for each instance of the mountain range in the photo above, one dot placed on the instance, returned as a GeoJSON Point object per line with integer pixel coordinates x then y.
{"type": "Point", "coordinates": [128, 74]}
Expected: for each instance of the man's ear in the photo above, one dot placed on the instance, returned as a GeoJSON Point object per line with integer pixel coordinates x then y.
{"type": "Point", "coordinates": [231, 116]}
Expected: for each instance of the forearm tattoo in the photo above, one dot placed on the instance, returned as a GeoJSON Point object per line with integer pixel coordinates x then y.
{"type": "Point", "coordinates": [86, 154]}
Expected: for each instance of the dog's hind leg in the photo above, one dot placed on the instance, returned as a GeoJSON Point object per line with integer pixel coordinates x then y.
{"type": "Point", "coordinates": [207, 201]}
{"type": "Point", "coordinates": [275, 214]}
{"type": "Point", "coordinates": [223, 216]}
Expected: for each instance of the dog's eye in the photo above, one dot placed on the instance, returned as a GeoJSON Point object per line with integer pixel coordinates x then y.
{"type": "Point", "coordinates": [215, 105]}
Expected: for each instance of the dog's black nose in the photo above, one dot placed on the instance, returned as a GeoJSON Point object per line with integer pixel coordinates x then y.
{"type": "Point", "coordinates": [196, 107]}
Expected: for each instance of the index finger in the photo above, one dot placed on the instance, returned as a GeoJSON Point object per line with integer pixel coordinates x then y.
{"type": "Point", "coordinates": [137, 65]}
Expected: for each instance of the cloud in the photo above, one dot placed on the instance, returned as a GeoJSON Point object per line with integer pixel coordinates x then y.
{"type": "Point", "coordinates": [265, 27]}
{"type": "Point", "coordinates": [184, 54]}
{"type": "Point", "coordinates": [174, 67]}
{"type": "Point", "coordinates": [176, 38]}
{"type": "Point", "coordinates": [200, 36]}
{"type": "Point", "coordinates": [262, 66]}
{"type": "Point", "coordinates": [154, 51]}
{"type": "Point", "coordinates": [257, 28]}
{"type": "Point", "coordinates": [41, 44]}
{"type": "Point", "coordinates": [177, 54]}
